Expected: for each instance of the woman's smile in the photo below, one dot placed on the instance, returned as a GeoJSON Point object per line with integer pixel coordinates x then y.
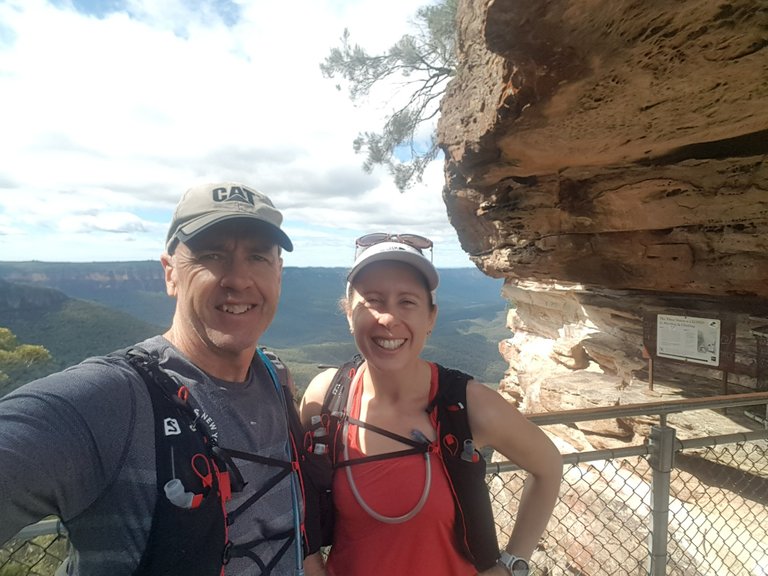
{"type": "Point", "coordinates": [390, 343]}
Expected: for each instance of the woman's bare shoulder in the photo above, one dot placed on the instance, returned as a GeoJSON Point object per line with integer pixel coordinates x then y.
{"type": "Point", "coordinates": [314, 395]}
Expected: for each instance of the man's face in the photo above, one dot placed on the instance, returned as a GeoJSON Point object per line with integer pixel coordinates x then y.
{"type": "Point", "coordinates": [227, 284]}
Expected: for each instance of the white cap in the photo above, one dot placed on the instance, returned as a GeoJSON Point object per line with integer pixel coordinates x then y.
{"type": "Point", "coordinates": [397, 252]}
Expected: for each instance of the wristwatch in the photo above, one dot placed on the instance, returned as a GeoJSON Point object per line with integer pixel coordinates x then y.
{"type": "Point", "coordinates": [514, 565]}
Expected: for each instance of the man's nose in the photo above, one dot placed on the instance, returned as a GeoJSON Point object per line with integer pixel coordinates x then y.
{"type": "Point", "coordinates": [237, 275]}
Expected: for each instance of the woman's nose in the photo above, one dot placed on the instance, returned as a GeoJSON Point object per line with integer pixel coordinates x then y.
{"type": "Point", "coordinates": [386, 319]}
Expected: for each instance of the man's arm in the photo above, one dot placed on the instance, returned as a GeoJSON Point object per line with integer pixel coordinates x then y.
{"type": "Point", "coordinates": [52, 460]}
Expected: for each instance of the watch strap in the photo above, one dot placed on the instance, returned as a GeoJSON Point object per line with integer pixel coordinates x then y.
{"type": "Point", "coordinates": [515, 565]}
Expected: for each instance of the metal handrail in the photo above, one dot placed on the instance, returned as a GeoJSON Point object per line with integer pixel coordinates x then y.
{"type": "Point", "coordinates": [645, 409]}
{"type": "Point", "coordinates": [648, 408]}
{"type": "Point", "coordinates": [42, 528]}
{"type": "Point", "coordinates": [639, 450]}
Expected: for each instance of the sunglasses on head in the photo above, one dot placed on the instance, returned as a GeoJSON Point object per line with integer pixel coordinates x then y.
{"type": "Point", "coordinates": [412, 240]}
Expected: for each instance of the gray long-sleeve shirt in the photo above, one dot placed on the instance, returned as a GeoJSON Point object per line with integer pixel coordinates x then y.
{"type": "Point", "coordinates": [79, 444]}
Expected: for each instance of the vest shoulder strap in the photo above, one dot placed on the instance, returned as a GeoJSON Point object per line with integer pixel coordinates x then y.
{"type": "Point", "coordinates": [283, 374]}
{"type": "Point", "coordinates": [452, 387]}
{"type": "Point", "coordinates": [474, 526]}
{"type": "Point", "coordinates": [335, 401]}
{"type": "Point", "coordinates": [189, 476]}
{"type": "Point", "coordinates": [451, 401]}
{"type": "Point", "coordinates": [314, 469]}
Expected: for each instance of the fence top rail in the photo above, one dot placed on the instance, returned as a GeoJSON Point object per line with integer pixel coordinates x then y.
{"type": "Point", "coordinates": [638, 450]}
{"type": "Point", "coordinates": [41, 528]}
{"type": "Point", "coordinates": [649, 408]}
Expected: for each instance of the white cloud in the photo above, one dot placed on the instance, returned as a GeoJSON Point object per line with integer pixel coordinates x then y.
{"type": "Point", "coordinates": [107, 119]}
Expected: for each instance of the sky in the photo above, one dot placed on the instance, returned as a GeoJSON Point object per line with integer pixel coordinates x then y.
{"type": "Point", "coordinates": [111, 109]}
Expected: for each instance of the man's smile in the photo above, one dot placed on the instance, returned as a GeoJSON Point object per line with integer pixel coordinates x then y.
{"type": "Point", "coordinates": [235, 308]}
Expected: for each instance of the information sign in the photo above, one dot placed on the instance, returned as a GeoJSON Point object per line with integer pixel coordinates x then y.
{"type": "Point", "coordinates": [688, 338]}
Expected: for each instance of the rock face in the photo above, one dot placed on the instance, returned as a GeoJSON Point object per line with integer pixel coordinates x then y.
{"type": "Point", "coordinates": [608, 159]}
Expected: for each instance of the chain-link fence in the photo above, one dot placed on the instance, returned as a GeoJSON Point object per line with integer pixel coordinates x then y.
{"type": "Point", "coordinates": [671, 507]}
{"type": "Point", "coordinates": [694, 507]}
{"type": "Point", "coordinates": [603, 524]}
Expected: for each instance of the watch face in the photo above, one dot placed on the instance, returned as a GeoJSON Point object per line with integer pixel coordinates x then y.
{"type": "Point", "coordinates": [519, 567]}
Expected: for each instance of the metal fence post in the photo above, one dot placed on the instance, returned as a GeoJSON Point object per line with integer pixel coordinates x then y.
{"type": "Point", "coordinates": [761, 371]}
{"type": "Point", "coordinates": [662, 454]}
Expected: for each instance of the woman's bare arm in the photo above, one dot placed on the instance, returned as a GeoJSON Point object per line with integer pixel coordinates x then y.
{"type": "Point", "coordinates": [497, 423]}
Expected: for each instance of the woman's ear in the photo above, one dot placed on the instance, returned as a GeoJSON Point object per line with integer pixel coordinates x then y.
{"type": "Point", "coordinates": [346, 307]}
{"type": "Point", "coordinates": [432, 318]}
{"type": "Point", "coordinates": [348, 312]}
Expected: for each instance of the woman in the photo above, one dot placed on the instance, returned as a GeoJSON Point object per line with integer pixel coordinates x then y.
{"type": "Point", "coordinates": [395, 514]}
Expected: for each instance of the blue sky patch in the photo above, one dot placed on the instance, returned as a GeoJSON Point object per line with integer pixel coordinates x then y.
{"type": "Point", "coordinates": [227, 10]}
{"type": "Point", "coordinates": [98, 8]}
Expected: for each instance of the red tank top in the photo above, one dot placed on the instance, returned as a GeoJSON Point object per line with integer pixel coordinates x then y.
{"type": "Point", "coordinates": [423, 545]}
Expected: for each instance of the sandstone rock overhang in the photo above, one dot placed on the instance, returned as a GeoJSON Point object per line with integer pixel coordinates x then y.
{"type": "Point", "coordinates": [612, 143]}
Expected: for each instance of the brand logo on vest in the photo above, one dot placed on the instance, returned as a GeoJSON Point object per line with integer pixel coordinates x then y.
{"type": "Point", "coordinates": [212, 428]}
{"type": "Point", "coordinates": [234, 194]}
{"type": "Point", "coordinates": [171, 427]}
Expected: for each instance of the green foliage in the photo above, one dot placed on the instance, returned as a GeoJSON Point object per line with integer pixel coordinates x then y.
{"type": "Point", "coordinates": [15, 358]}
{"type": "Point", "coordinates": [71, 330]}
{"type": "Point", "coordinates": [422, 64]}
{"type": "Point", "coordinates": [14, 570]}
{"type": "Point", "coordinates": [87, 329]}
{"type": "Point", "coordinates": [306, 362]}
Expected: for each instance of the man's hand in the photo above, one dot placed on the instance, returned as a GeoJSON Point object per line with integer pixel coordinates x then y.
{"type": "Point", "coordinates": [314, 565]}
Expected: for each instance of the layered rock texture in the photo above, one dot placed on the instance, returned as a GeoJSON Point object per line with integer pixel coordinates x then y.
{"type": "Point", "coordinates": [608, 159]}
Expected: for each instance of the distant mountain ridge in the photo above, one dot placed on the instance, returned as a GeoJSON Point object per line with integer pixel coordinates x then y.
{"type": "Point", "coordinates": [70, 329]}
{"type": "Point", "coordinates": [63, 305]}
{"type": "Point", "coordinates": [137, 288]}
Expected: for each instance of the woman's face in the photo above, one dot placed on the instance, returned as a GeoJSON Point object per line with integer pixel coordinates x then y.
{"type": "Point", "coordinates": [390, 314]}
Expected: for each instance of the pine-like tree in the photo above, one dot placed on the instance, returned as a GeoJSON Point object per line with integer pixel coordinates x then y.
{"type": "Point", "coordinates": [15, 358]}
{"type": "Point", "coordinates": [422, 63]}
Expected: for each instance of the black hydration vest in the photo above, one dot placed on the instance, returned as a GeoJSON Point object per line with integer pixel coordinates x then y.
{"type": "Point", "coordinates": [474, 527]}
{"type": "Point", "coordinates": [196, 478]}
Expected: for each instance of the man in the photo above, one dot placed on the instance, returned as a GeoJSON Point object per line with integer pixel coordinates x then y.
{"type": "Point", "coordinates": [91, 444]}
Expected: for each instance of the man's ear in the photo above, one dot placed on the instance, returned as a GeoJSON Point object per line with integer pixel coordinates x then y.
{"type": "Point", "coordinates": [170, 274]}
